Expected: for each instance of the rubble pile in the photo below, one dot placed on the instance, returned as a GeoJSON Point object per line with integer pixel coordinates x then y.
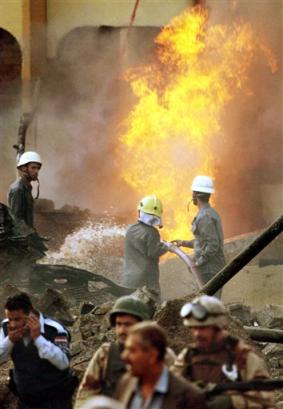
{"type": "Point", "coordinates": [270, 316]}
{"type": "Point", "coordinates": [92, 328]}
{"type": "Point", "coordinates": [89, 332]}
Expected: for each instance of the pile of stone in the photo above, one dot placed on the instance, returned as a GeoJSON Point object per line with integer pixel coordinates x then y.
{"type": "Point", "coordinates": [92, 328]}
{"type": "Point", "coordinates": [270, 317]}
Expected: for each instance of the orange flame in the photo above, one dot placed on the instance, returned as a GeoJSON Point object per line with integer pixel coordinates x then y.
{"type": "Point", "coordinates": [168, 134]}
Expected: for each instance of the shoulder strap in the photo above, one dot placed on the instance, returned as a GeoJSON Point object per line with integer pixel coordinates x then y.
{"type": "Point", "coordinates": [188, 373]}
{"type": "Point", "coordinates": [237, 350]}
{"type": "Point", "coordinates": [114, 369]}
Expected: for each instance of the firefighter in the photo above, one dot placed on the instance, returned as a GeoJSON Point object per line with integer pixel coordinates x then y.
{"type": "Point", "coordinates": [143, 246]}
{"type": "Point", "coordinates": [106, 365]}
{"type": "Point", "coordinates": [216, 357]}
{"type": "Point", "coordinates": [207, 229]}
{"type": "Point", "coordinates": [20, 199]}
{"type": "Point", "coordinates": [148, 382]}
{"type": "Point", "coordinates": [39, 349]}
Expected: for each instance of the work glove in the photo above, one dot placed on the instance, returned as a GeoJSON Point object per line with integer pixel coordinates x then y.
{"type": "Point", "coordinates": [220, 402]}
{"type": "Point", "coordinates": [177, 243]}
{"type": "Point", "coordinates": [199, 261]}
{"type": "Point", "coordinates": [169, 246]}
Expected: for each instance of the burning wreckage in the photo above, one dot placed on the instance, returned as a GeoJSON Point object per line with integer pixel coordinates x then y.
{"type": "Point", "coordinates": [21, 247]}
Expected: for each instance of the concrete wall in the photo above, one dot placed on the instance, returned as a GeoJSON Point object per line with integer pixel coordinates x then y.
{"type": "Point", "coordinates": [11, 18]}
{"type": "Point", "coordinates": [26, 21]}
{"type": "Point", "coordinates": [65, 15]}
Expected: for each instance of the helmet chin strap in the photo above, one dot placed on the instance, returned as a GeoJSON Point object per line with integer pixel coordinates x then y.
{"type": "Point", "coordinates": [189, 205]}
{"type": "Point", "coordinates": [38, 186]}
{"type": "Point", "coordinates": [27, 175]}
{"type": "Point", "coordinates": [150, 219]}
{"type": "Point", "coordinates": [38, 190]}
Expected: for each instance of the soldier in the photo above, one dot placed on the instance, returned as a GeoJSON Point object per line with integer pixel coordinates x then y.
{"type": "Point", "coordinates": [207, 229]}
{"type": "Point", "coordinates": [20, 198]}
{"type": "Point", "coordinates": [148, 382]}
{"type": "Point", "coordinates": [143, 246]}
{"type": "Point", "coordinates": [107, 366]}
{"type": "Point", "coordinates": [217, 357]}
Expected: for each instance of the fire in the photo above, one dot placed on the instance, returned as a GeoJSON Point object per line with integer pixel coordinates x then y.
{"type": "Point", "coordinates": [180, 99]}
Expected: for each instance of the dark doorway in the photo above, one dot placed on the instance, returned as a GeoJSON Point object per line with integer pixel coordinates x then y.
{"type": "Point", "coordinates": [10, 65]}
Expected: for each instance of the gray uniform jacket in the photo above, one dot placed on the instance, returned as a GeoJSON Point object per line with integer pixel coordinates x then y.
{"type": "Point", "coordinates": [20, 201]}
{"type": "Point", "coordinates": [208, 243]}
{"type": "Point", "coordinates": [142, 251]}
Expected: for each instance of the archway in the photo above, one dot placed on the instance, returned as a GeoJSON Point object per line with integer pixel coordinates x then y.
{"type": "Point", "coordinates": [10, 64]}
{"type": "Point", "coordinates": [10, 106]}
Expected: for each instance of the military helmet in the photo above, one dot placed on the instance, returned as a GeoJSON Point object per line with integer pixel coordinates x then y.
{"type": "Point", "coordinates": [130, 305]}
{"type": "Point", "coordinates": [204, 311]}
{"type": "Point", "coordinates": [151, 205]}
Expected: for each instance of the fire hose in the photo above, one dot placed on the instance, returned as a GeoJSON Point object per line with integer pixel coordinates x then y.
{"type": "Point", "coordinates": [187, 260]}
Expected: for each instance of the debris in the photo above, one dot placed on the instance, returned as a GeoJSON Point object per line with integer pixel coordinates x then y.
{"type": "Point", "coordinates": [241, 312]}
{"type": "Point", "coordinates": [53, 304]}
{"type": "Point", "coordinates": [270, 316]}
{"type": "Point", "coordinates": [265, 334]}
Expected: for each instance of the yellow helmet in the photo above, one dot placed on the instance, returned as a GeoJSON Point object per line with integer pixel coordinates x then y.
{"type": "Point", "coordinates": [151, 205]}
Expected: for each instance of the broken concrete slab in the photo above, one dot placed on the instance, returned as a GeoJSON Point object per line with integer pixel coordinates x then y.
{"type": "Point", "coordinates": [241, 312]}
{"type": "Point", "coordinates": [270, 316]}
{"type": "Point", "coordinates": [54, 304]}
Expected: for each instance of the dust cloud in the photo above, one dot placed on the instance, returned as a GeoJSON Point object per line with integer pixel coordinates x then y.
{"type": "Point", "coordinates": [250, 156]}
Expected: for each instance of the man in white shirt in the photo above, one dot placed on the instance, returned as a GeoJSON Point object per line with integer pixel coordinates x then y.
{"type": "Point", "coordinates": [39, 349]}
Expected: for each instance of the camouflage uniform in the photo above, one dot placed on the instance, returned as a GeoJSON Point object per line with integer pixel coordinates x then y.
{"type": "Point", "coordinates": [206, 367]}
{"type": "Point", "coordinates": [102, 373]}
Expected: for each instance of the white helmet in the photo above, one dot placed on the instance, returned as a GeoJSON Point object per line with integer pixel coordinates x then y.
{"type": "Point", "coordinates": [28, 157]}
{"type": "Point", "coordinates": [202, 184]}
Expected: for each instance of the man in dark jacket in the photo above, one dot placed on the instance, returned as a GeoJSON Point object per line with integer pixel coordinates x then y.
{"type": "Point", "coordinates": [143, 246]}
{"type": "Point", "coordinates": [20, 197]}
{"type": "Point", "coordinates": [148, 382]}
{"type": "Point", "coordinates": [39, 349]}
